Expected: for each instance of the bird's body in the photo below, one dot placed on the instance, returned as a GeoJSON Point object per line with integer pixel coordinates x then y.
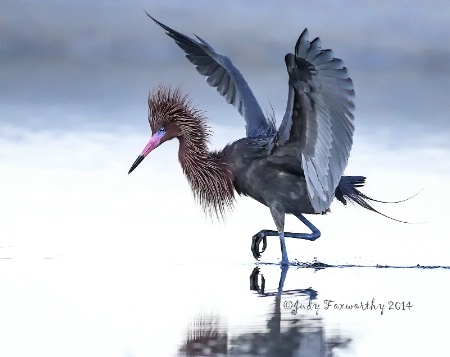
{"type": "Point", "coordinates": [296, 169]}
{"type": "Point", "coordinates": [269, 183]}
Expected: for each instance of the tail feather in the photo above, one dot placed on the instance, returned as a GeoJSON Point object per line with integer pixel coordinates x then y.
{"type": "Point", "coordinates": [347, 190]}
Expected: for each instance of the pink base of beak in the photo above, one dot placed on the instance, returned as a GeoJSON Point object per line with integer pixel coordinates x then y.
{"type": "Point", "coordinates": [151, 145]}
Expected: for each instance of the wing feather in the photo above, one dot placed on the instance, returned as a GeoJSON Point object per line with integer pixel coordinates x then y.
{"type": "Point", "coordinates": [226, 78]}
{"type": "Point", "coordinates": [317, 128]}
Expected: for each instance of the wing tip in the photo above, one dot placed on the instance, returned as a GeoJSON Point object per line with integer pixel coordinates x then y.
{"type": "Point", "coordinates": [302, 40]}
{"type": "Point", "coordinates": [171, 32]}
{"type": "Point", "coordinates": [150, 16]}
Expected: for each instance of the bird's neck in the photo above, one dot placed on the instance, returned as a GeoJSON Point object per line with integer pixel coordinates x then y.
{"type": "Point", "coordinates": [209, 176]}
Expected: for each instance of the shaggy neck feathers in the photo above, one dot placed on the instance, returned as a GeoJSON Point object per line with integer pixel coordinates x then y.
{"type": "Point", "coordinates": [208, 173]}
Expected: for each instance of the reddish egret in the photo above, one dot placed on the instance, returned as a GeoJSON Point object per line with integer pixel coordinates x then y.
{"type": "Point", "coordinates": [296, 169]}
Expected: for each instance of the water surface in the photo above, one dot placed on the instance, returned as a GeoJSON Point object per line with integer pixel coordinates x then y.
{"type": "Point", "coordinates": [70, 307]}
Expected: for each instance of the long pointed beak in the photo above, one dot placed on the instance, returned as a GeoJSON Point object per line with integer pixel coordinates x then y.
{"type": "Point", "coordinates": [136, 163]}
{"type": "Point", "coordinates": [151, 145]}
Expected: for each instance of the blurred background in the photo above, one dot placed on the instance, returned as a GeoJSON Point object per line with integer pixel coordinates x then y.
{"type": "Point", "coordinates": [74, 81]}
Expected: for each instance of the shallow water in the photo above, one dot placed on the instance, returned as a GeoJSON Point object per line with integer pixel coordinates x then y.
{"type": "Point", "coordinates": [92, 264]}
{"type": "Point", "coordinates": [70, 307]}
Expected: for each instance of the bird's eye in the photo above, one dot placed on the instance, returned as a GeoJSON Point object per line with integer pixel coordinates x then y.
{"type": "Point", "coordinates": [162, 130]}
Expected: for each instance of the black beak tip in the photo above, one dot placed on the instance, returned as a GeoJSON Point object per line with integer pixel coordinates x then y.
{"type": "Point", "coordinates": [136, 164]}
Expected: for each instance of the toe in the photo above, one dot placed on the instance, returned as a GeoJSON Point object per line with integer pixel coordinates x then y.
{"type": "Point", "coordinates": [264, 240]}
{"type": "Point", "coordinates": [256, 241]}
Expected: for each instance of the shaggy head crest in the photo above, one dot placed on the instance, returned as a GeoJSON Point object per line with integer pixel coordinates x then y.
{"type": "Point", "coordinates": [168, 106]}
{"type": "Point", "coordinates": [208, 174]}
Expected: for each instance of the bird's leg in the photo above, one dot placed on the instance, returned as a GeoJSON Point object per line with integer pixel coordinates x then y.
{"type": "Point", "coordinates": [315, 233]}
{"type": "Point", "coordinates": [278, 217]}
{"type": "Point", "coordinates": [284, 257]}
{"type": "Point", "coordinates": [261, 236]}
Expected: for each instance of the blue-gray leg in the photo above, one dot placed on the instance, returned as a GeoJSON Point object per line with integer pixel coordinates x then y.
{"type": "Point", "coordinates": [284, 257]}
{"type": "Point", "coordinates": [315, 233]}
{"type": "Point", "coordinates": [262, 237]}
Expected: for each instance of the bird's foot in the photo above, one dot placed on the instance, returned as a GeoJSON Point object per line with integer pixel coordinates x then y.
{"type": "Point", "coordinates": [256, 241]}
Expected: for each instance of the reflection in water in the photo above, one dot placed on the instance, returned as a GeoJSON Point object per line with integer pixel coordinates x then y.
{"type": "Point", "coordinates": [299, 337]}
{"type": "Point", "coordinates": [296, 336]}
{"type": "Point", "coordinates": [206, 337]}
{"type": "Point", "coordinates": [254, 285]}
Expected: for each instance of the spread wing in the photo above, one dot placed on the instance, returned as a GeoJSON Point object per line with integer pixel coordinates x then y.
{"type": "Point", "coordinates": [224, 76]}
{"type": "Point", "coordinates": [316, 133]}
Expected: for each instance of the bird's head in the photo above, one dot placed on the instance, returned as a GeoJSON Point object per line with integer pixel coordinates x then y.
{"type": "Point", "coordinates": [171, 115]}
